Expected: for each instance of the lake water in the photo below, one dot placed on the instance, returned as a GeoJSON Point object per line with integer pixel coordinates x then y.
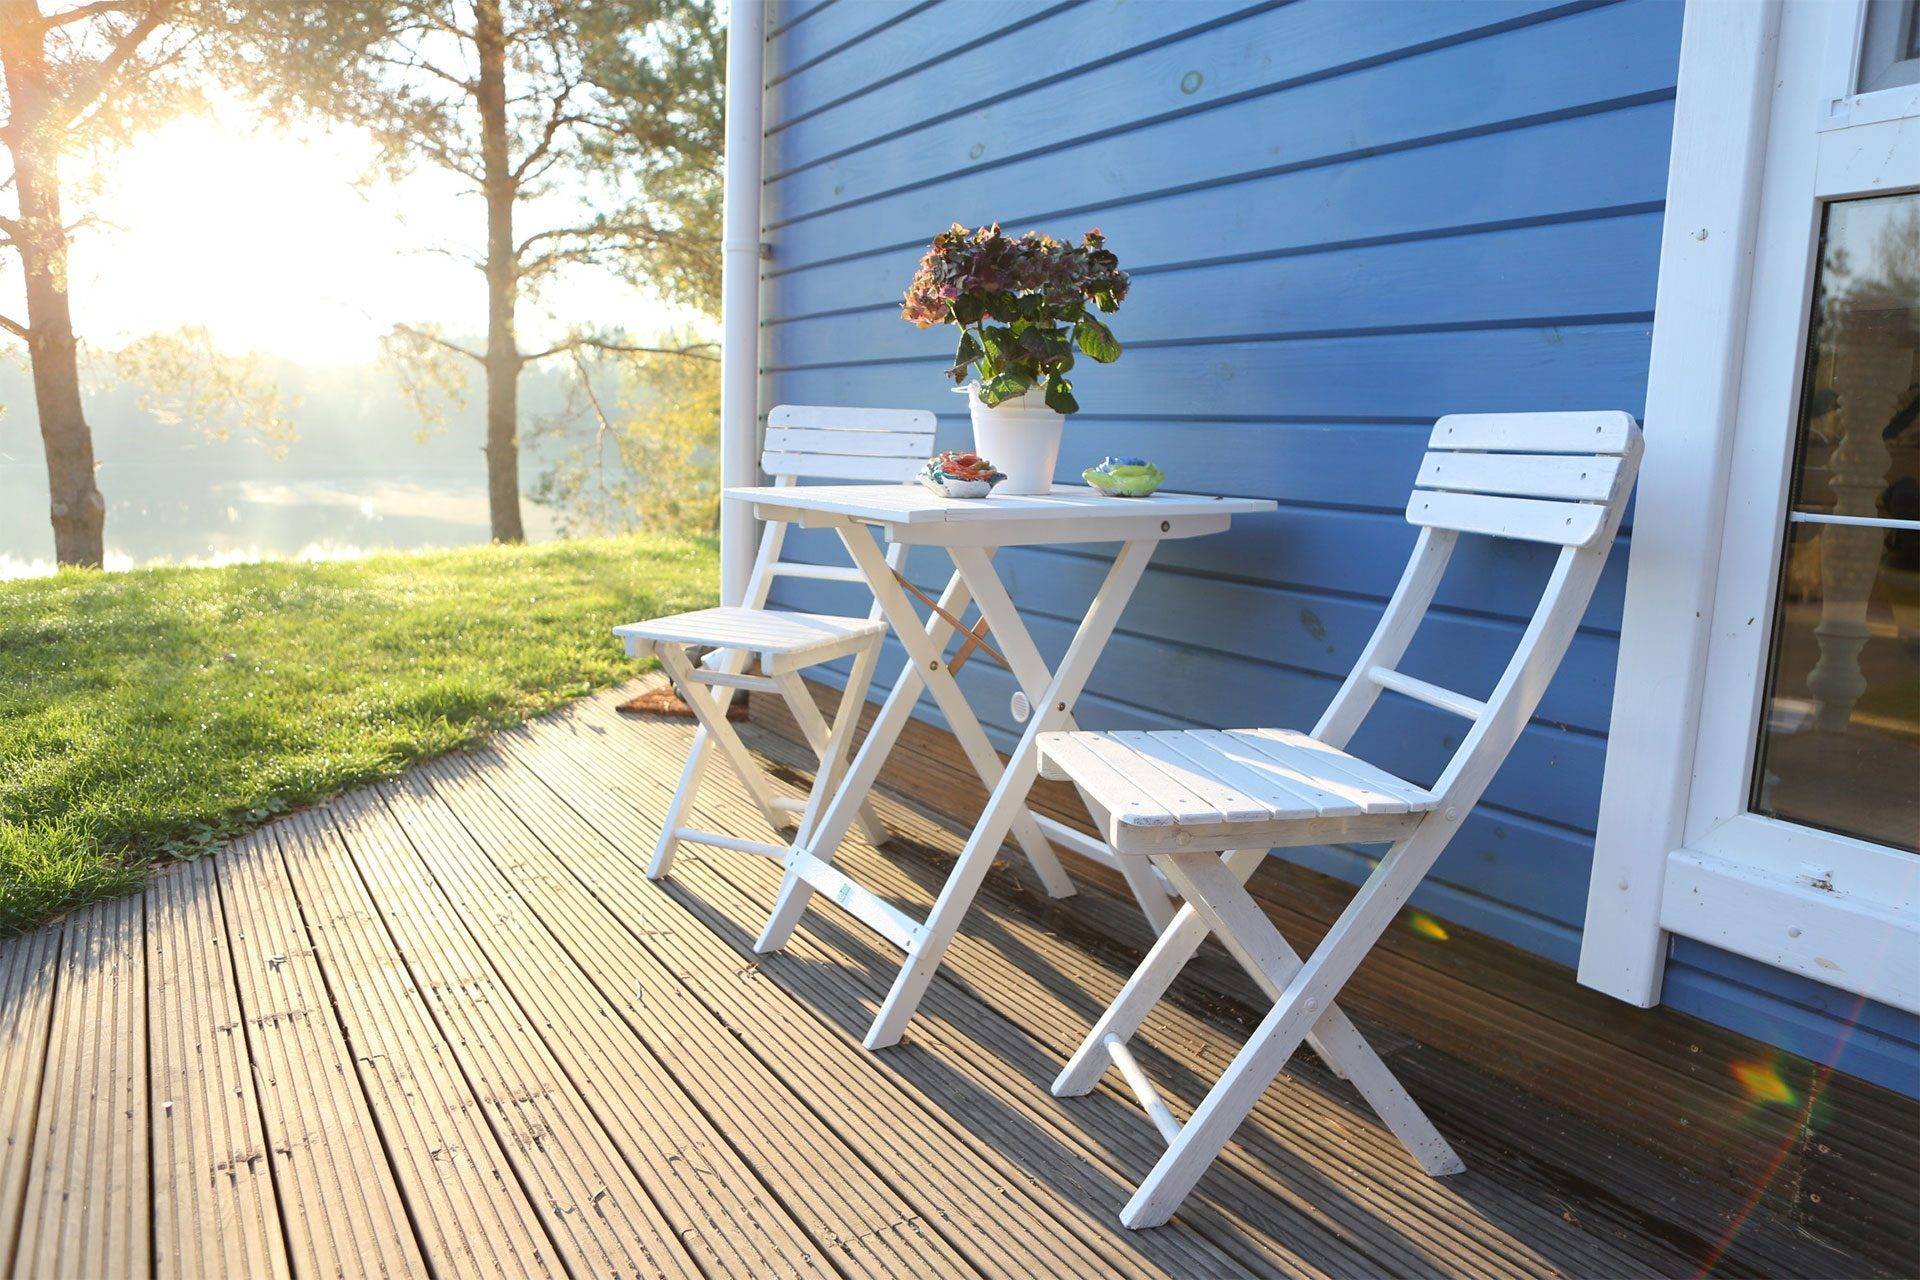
{"type": "Point", "coordinates": [359, 476]}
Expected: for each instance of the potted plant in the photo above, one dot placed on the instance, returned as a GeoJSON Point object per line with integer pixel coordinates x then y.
{"type": "Point", "coordinates": [1024, 305]}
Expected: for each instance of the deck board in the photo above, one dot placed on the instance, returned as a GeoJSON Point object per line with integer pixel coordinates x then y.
{"type": "Point", "coordinates": [341, 1205]}
{"type": "Point", "coordinates": [604, 1217]}
{"type": "Point", "coordinates": [1361, 1189]}
{"type": "Point", "coordinates": [28, 969]}
{"type": "Point", "coordinates": [847, 1205]}
{"type": "Point", "coordinates": [210, 1158]}
{"type": "Point", "coordinates": [471, 1039]}
{"type": "Point", "coordinates": [92, 1129]}
{"type": "Point", "coordinates": [468, 1212]}
{"type": "Point", "coordinates": [706, 1190]}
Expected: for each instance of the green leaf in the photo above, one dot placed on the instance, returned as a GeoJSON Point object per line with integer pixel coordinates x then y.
{"type": "Point", "coordinates": [1060, 395]}
{"type": "Point", "coordinates": [997, 339]}
{"type": "Point", "coordinates": [1094, 338]}
{"type": "Point", "coordinates": [1005, 387]}
{"type": "Point", "coordinates": [967, 309]}
{"type": "Point", "coordinates": [964, 355]}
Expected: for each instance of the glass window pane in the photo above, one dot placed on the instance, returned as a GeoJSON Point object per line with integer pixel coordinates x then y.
{"type": "Point", "coordinates": [1890, 49]}
{"type": "Point", "coordinates": [1840, 732]}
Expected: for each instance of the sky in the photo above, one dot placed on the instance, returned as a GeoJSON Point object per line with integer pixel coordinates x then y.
{"type": "Point", "coordinates": [269, 239]}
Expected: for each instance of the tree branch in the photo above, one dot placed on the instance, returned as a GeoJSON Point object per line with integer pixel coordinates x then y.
{"type": "Point", "coordinates": [425, 335]}
{"type": "Point", "coordinates": [85, 11]}
{"type": "Point", "coordinates": [692, 351]}
{"type": "Point", "coordinates": [15, 328]}
{"type": "Point", "coordinates": [92, 86]}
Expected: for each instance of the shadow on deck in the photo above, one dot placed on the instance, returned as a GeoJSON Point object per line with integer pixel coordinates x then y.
{"type": "Point", "coordinates": [445, 1026]}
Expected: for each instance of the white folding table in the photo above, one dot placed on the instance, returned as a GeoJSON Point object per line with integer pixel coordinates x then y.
{"type": "Point", "coordinates": [971, 531]}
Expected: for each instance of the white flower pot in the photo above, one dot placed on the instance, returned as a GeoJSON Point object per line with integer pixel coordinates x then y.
{"type": "Point", "coordinates": [1020, 436]}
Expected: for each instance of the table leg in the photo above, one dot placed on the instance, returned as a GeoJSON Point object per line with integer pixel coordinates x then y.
{"type": "Point", "coordinates": [1030, 669]}
{"type": "Point", "coordinates": [923, 642]}
{"type": "Point", "coordinates": [848, 799]}
{"type": "Point", "coordinates": [1009, 793]}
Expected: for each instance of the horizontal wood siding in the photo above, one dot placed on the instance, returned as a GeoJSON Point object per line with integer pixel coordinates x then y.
{"type": "Point", "coordinates": [1343, 221]}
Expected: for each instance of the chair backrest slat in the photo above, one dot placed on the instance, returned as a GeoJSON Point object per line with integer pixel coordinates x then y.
{"type": "Point", "coordinates": [1557, 478]}
{"type": "Point", "coordinates": [824, 442]}
{"type": "Point", "coordinates": [1541, 477]}
{"type": "Point", "coordinates": [1571, 524]}
{"type": "Point", "coordinates": [1573, 477]}
{"type": "Point", "coordinates": [821, 442]}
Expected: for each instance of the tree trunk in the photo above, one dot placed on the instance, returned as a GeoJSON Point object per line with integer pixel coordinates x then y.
{"type": "Point", "coordinates": [503, 269]}
{"type": "Point", "coordinates": [79, 512]}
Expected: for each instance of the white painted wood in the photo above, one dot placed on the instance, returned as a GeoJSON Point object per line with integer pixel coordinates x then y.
{"type": "Point", "coordinates": [870, 444]}
{"type": "Point", "coordinates": [720, 732]}
{"type": "Point", "coordinates": [869, 908]}
{"type": "Point", "coordinates": [1569, 524]}
{"type": "Point", "coordinates": [825, 417]}
{"type": "Point", "coordinates": [1604, 431]}
{"type": "Point", "coordinates": [770, 634]}
{"type": "Point", "coordinates": [739, 637]}
{"type": "Point", "coordinates": [740, 297]}
{"type": "Point", "coordinates": [1179, 796]}
{"type": "Point", "coordinates": [1857, 944]}
{"type": "Point", "coordinates": [1431, 694]}
{"type": "Point", "coordinates": [1136, 1078]}
{"type": "Point", "coordinates": [1761, 130]}
{"type": "Point", "coordinates": [1243, 928]}
{"type": "Point", "coordinates": [1573, 477]}
{"type": "Point", "coordinates": [898, 507]}
{"type": "Point", "coordinates": [820, 572]}
{"type": "Point", "coordinates": [719, 840]}
{"type": "Point", "coordinates": [1177, 944]}
{"type": "Point", "coordinates": [795, 893]}
{"type": "Point", "coordinates": [1008, 798]}
{"type": "Point", "coordinates": [840, 467]}
{"type": "Point", "coordinates": [827, 741]}
{"type": "Point", "coordinates": [997, 607]}
{"type": "Point", "coordinates": [1388, 644]}
{"type": "Point", "coordinates": [756, 684]}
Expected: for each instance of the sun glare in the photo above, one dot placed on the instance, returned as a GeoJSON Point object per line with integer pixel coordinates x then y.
{"type": "Point", "coordinates": [269, 238]}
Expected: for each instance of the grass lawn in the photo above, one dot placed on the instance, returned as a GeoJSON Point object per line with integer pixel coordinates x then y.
{"type": "Point", "coordinates": [152, 714]}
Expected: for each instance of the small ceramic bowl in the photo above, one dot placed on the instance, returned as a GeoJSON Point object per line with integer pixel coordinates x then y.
{"type": "Point", "coordinates": [1124, 477]}
{"type": "Point", "coordinates": [959, 475]}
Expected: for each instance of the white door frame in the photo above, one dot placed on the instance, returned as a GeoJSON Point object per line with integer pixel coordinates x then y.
{"type": "Point", "coordinates": [1764, 133]}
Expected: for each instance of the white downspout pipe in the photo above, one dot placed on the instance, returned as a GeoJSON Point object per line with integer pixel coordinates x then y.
{"type": "Point", "coordinates": [740, 292]}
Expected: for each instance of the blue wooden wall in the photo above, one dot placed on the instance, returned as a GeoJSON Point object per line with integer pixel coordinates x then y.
{"type": "Point", "coordinates": [1343, 220]}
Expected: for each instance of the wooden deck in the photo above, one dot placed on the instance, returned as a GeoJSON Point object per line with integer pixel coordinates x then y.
{"type": "Point", "coordinates": [444, 1026]}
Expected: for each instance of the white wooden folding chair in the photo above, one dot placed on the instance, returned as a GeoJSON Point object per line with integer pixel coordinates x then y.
{"type": "Point", "coordinates": [1205, 806]}
{"type": "Point", "coordinates": [814, 442]}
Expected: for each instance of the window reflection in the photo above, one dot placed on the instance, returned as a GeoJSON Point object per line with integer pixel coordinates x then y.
{"type": "Point", "coordinates": [1840, 738]}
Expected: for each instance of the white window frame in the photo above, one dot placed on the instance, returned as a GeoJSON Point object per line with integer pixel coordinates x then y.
{"type": "Point", "coordinates": [1765, 132]}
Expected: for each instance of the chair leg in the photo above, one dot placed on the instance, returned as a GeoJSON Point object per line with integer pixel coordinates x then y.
{"type": "Point", "coordinates": [721, 733]}
{"type": "Point", "coordinates": [1305, 1000]}
{"type": "Point", "coordinates": [677, 809]}
{"type": "Point", "coordinates": [791, 902]}
{"type": "Point", "coordinates": [1263, 952]}
{"type": "Point", "coordinates": [813, 726]}
{"type": "Point", "coordinates": [1146, 987]}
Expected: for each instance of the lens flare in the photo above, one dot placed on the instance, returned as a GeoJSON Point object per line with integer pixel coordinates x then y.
{"type": "Point", "coordinates": [1762, 1083]}
{"type": "Point", "coordinates": [1426, 926]}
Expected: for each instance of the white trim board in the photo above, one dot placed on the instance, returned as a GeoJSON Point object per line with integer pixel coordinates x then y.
{"type": "Point", "coordinates": [1675, 851]}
